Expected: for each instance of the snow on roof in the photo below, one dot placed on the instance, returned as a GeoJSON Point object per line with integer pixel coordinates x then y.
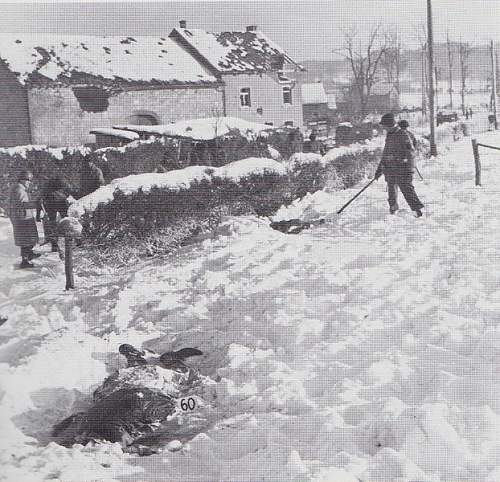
{"type": "Point", "coordinates": [202, 129]}
{"type": "Point", "coordinates": [314, 93]}
{"type": "Point", "coordinates": [108, 131]}
{"type": "Point", "coordinates": [236, 51]}
{"type": "Point", "coordinates": [132, 59]}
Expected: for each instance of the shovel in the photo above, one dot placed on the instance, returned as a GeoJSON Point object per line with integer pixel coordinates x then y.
{"type": "Point", "coordinates": [358, 194]}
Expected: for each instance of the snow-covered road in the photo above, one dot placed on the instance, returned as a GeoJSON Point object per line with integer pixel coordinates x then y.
{"type": "Point", "coordinates": [364, 349]}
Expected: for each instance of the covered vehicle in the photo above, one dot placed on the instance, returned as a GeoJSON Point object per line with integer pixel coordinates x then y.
{"type": "Point", "coordinates": [109, 137]}
{"type": "Point", "coordinates": [208, 141]}
{"type": "Point", "coordinates": [446, 116]}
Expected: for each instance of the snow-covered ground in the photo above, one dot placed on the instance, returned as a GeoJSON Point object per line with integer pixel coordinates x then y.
{"type": "Point", "coordinates": [365, 349]}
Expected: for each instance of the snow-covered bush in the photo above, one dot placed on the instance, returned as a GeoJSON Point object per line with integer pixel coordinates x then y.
{"type": "Point", "coordinates": [44, 162]}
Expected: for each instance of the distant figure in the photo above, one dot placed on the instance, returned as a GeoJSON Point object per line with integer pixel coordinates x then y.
{"type": "Point", "coordinates": [397, 165]}
{"type": "Point", "coordinates": [295, 140]}
{"type": "Point", "coordinates": [315, 145]}
{"type": "Point", "coordinates": [470, 112]}
{"type": "Point", "coordinates": [404, 126]}
{"type": "Point", "coordinates": [22, 212]}
{"type": "Point", "coordinates": [91, 177]}
{"type": "Point", "coordinates": [160, 169]}
{"type": "Point", "coordinates": [466, 114]}
{"type": "Point", "coordinates": [55, 202]}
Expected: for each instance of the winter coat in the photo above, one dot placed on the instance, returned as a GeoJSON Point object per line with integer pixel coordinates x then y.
{"type": "Point", "coordinates": [55, 199]}
{"type": "Point", "coordinates": [399, 153]}
{"type": "Point", "coordinates": [91, 179]}
{"type": "Point", "coordinates": [22, 212]}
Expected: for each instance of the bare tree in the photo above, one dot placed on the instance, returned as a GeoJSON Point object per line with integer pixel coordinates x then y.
{"type": "Point", "coordinates": [464, 50]}
{"type": "Point", "coordinates": [364, 59]}
{"type": "Point", "coordinates": [392, 62]}
{"type": "Point", "coordinates": [449, 47]}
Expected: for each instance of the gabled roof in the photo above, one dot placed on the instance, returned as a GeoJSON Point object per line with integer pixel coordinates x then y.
{"type": "Point", "coordinates": [67, 58]}
{"type": "Point", "coordinates": [313, 93]}
{"type": "Point", "coordinates": [235, 52]}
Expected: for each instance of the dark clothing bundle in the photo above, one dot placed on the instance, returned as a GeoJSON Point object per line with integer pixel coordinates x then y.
{"type": "Point", "coordinates": [398, 165]}
{"type": "Point", "coordinates": [91, 178]}
{"type": "Point", "coordinates": [55, 202]}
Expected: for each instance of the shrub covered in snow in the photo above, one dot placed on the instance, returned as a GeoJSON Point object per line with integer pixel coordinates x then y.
{"type": "Point", "coordinates": [43, 161]}
{"type": "Point", "coordinates": [156, 213]}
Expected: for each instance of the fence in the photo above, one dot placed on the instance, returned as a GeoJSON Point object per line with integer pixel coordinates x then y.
{"type": "Point", "coordinates": [477, 160]}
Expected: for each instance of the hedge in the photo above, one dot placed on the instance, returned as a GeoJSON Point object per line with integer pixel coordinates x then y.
{"type": "Point", "coordinates": [159, 219]}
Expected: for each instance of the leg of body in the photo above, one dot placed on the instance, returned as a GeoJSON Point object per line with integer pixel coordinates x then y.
{"type": "Point", "coordinates": [405, 183]}
{"type": "Point", "coordinates": [26, 257]}
{"type": "Point", "coordinates": [392, 190]}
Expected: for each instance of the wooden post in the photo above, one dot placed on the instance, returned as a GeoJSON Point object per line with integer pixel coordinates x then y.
{"type": "Point", "coordinates": [477, 162]}
{"type": "Point", "coordinates": [68, 262]}
{"type": "Point", "coordinates": [494, 82]}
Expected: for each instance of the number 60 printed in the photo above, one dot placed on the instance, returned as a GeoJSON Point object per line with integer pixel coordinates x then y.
{"type": "Point", "coordinates": [188, 404]}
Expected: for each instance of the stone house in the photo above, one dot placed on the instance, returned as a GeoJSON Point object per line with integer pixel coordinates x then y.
{"type": "Point", "coordinates": [314, 102]}
{"type": "Point", "coordinates": [254, 70]}
{"type": "Point", "coordinates": [56, 88]}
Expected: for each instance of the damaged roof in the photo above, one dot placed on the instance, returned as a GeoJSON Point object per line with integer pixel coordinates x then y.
{"type": "Point", "coordinates": [38, 59]}
{"type": "Point", "coordinates": [236, 52]}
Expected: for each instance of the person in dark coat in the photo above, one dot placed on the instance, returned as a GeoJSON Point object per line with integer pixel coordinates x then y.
{"type": "Point", "coordinates": [22, 212]}
{"type": "Point", "coordinates": [55, 202]}
{"type": "Point", "coordinates": [91, 177]}
{"type": "Point", "coordinates": [403, 124]}
{"type": "Point", "coordinates": [398, 165]}
{"type": "Point", "coordinates": [315, 145]}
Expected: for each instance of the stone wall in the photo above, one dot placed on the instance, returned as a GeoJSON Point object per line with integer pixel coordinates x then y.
{"type": "Point", "coordinates": [266, 93]}
{"type": "Point", "coordinates": [58, 119]}
{"type": "Point", "coordinates": [14, 115]}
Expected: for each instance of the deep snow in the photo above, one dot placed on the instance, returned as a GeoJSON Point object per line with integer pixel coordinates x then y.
{"type": "Point", "coordinates": [364, 349]}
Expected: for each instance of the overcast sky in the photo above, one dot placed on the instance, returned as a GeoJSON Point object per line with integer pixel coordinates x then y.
{"type": "Point", "coordinates": [307, 29]}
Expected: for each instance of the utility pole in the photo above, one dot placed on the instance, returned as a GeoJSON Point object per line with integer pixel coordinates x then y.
{"type": "Point", "coordinates": [430, 50]}
{"type": "Point", "coordinates": [494, 83]}
{"type": "Point", "coordinates": [423, 62]}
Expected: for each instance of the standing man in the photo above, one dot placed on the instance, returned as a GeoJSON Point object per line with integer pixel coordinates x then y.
{"type": "Point", "coordinates": [398, 165]}
{"type": "Point", "coordinates": [91, 177]}
{"type": "Point", "coordinates": [404, 126]}
{"type": "Point", "coordinates": [22, 212]}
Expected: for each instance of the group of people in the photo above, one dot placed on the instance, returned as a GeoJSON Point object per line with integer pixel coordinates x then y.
{"type": "Point", "coordinates": [53, 204]}
{"type": "Point", "coordinates": [397, 165]}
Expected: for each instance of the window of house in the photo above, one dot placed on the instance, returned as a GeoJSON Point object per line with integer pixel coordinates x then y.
{"type": "Point", "coordinates": [287, 95]}
{"type": "Point", "coordinates": [268, 123]}
{"type": "Point", "coordinates": [245, 97]}
{"type": "Point", "coordinates": [289, 123]}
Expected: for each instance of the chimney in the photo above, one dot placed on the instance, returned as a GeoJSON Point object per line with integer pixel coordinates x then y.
{"type": "Point", "coordinates": [251, 28]}
{"type": "Point", "coordinates": [182, 24]}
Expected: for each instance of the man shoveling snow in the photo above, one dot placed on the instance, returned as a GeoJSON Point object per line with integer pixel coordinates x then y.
{"type": "Point", "coordinates": [397, 165]}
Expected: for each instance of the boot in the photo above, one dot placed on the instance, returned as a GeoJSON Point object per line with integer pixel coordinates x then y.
{"type": "Point", "coordinates": [33, 255]}
{"type": "Point", "coordinates": [418, 213]}
{"type": "Point", "coordinates": [26, 264]}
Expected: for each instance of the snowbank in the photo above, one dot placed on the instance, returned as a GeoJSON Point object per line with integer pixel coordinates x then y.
{"type": "Point", "coordinates": [364, 349]}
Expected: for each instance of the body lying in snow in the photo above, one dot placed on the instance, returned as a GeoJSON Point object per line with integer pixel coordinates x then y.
{"type": "Point", "coordinates": [133, 402]}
